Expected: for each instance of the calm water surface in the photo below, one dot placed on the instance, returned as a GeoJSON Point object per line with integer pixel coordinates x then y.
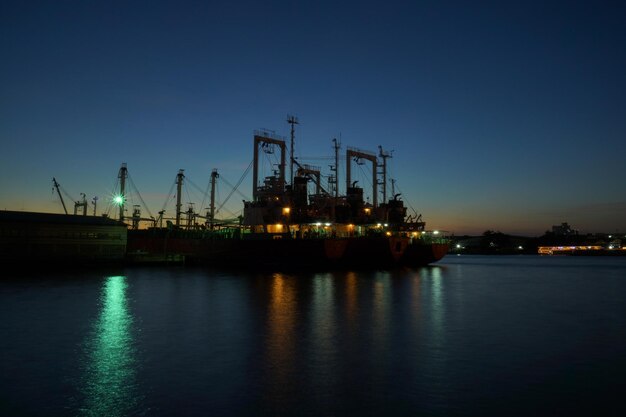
{"type": "Point", "coordinates": [469, 336]}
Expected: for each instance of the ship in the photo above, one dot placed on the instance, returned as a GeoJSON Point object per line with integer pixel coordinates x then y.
{"type": "Point", "coordinates": [285, 225]}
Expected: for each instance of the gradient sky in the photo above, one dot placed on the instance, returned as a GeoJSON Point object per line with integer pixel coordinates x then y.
{"type": "Point", "coordinates": [502, 115]}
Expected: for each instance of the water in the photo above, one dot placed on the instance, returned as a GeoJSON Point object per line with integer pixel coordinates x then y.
{"type": "Point", "coordinates": [472, 335]}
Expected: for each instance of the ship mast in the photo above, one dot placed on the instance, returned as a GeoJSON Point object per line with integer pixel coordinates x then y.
{"type": "Point", "coordinates": [122, 176]}
{"type": "Point", "coordinates": [384, 155]}
{"type": "Point", "coordinates": [336, 146]}
{"type": "Point", "coordinates": [292, 120]}
{"type": "Point", "coordinates": [214, 176]}
{"type": "Point", "coordinates": [335, 180]}
{"type": "Point", "coordinates": [179, 188]}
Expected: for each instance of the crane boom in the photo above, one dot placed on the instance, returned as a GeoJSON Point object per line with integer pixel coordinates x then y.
{"type": "Point", "coordinates": [56, 185]}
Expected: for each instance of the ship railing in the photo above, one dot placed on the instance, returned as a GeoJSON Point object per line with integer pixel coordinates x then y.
{"type": "Point", "coordinates": [435, 236]}
{"type": "Point", "coordinates": [268, 133]}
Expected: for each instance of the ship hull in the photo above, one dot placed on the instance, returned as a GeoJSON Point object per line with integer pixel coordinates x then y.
{"type": "Point", "coordinates": [270, 252]}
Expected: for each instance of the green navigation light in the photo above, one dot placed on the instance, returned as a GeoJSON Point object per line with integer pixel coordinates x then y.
{"type": "Point", "coordinates": [118, 199]}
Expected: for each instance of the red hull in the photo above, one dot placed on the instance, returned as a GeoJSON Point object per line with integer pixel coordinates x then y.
{"type": "Point", "coordinates": [367, 252]}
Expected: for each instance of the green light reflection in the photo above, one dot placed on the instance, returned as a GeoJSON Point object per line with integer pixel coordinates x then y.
{"type": "Point", "coordinates": [109, 383]}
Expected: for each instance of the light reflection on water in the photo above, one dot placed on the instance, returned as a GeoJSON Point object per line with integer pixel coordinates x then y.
{"type": "Point", "coordinates": [351, 290]}
{"type": "Point", "coordinates": [381, 312]}
{"type": "Point", "coordinates": [280, 344]}
{"type": "Point", "coordinates": [109, 384]}
{"type": "Point", "coordinates": [470, 336]}
{"type": "Point", "coordinates": [323, 333]}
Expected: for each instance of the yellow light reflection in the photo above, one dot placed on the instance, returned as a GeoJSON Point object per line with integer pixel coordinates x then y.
{"type": "Point", "coordinates": [381, 311]}
{"type": "Point", "coordinates": [351, 296]}
{"type": "Point", "coordinates": [322, 308]}
{"type": "Point", "coordinates": [282, 316]}
{"type": "Point", "coordinates": [323, 328]}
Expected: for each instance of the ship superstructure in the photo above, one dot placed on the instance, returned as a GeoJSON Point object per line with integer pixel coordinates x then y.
{"type": "Point", "coordinates": [288, 210]}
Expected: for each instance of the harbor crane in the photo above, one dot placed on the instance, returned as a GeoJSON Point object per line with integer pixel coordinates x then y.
{"type": "Point", "coordinates": [56, 185]}
{"type": "Point", "coordinates": [77, 203]}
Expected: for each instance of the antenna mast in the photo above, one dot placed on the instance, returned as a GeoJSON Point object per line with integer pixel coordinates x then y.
{"type": "Point", "coordinates": [292, 120]}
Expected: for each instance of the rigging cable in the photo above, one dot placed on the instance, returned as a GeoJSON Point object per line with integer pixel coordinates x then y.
{"type": "Point", "coordinates": [132, 183]}
{"type": "Point", "coordinates": [203, 193]}
{"type": "Point", "coordinates": [110, 200]}
{"type": "Point", "coordinates": [366, 175]}
{"type": "Point", "coordinates": [169, 195]}
{"type": "Point", "coordinates": [236, 186]}
{"type": "Point", "coordinates": [408, 202]}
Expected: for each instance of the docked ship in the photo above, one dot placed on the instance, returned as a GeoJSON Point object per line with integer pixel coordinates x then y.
{"type": "Point", "coordinates": [284, 225]}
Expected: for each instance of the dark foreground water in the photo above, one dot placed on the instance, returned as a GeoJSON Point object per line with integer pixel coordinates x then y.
{"type": "Point", "coordinates": [470, 336]}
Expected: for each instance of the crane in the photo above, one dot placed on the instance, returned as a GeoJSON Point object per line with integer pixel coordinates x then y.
{"type": "Point", "coordinates": [56, 185]}
{"type": "Point", "coordinates": [77, 203]}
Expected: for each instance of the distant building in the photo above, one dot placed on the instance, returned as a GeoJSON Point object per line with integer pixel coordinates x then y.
{"type": "Point", "coordinates": [44, 238]}
{"type": "Point", "coordinates": [564, 230]}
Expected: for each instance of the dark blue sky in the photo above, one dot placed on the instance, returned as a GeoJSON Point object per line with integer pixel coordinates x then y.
{"type": "Point", "coordinates": [501, 116]}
